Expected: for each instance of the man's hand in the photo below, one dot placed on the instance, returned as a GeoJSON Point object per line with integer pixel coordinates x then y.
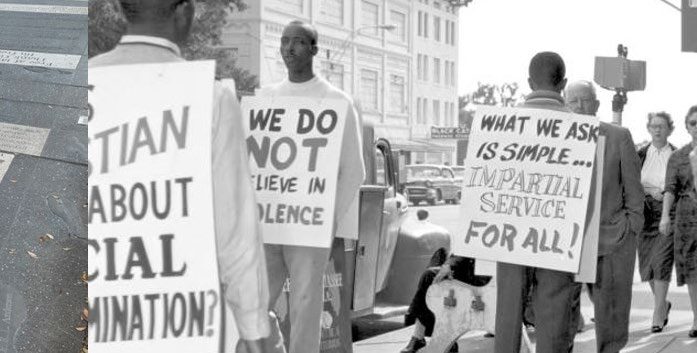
{"type": "Point", "coordinates": [444, 273]}
{"type": "Point", "coordinates": [478, 304]}
{"type": "Point", "coordinates": [256, 346]}
{"type": "Point", "coordinates": [664, 225]}
{"type": "Point", "coordinates": [693, 162]}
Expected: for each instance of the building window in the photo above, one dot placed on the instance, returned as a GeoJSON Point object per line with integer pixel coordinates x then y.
{"type": "Point", "coordinates": [370, 14]}
{"type": "Point", "coordinates": [452, 114]}
{"type": "Point", "coordinates": [436, 70]}
{"type": "Point", "coordinates": [420, 24]}
{"type": "Point", "coordinates": [436, 28]}
{"type": "Point", "coordinates": [436, 112]}
{"type": "Point", "coordinates": [334, 73]}
{"type": "Point", "coordinates": [446, 78]}
{"type": "Point", "coordinates": [397, 94]}
{"type": "Point", "coordinates": [418, 110]}
{"type": "Point", "coordinates": [425, 25]}
{"type": "Point", "coordinates": [419, 66]}
{"type": "Point", "coordinates": [332, 11]}
{"type": "Point", "coordinates": [424, 111]}
{"type": "Point", "coordinates": [452, 33]}
{"type": "Point", "coordinates": [369, 89]}
{"type": "Point", "coordinates": [400, 21]}
{"type": "Point", "coordinates": [425, 74]}
{"type": "Point", "coordinates": [453, 81]}
{"type": "Point", "coordinates": [447, 31]}
{"type": "Point", "coordinates": [293, 6]}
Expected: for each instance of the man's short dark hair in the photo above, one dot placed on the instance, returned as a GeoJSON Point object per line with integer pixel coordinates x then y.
{"type": "Point", "coordinates": [144, 10]}
{"type": "Point", "coordinates": [312, 32]}
{"type": "Point", "coordinates": [547, 69]}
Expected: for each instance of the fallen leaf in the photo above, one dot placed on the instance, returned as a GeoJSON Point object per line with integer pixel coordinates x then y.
{"type": "Point", "coordinates": [49, 236]}
{"type": "Point", "coordinates": [32, 254]}
{"type": "Point", "coordinates": [54, 196]}
{"type": "Point", "coordinates": [13, 181]}
{"type": "Point", "coordinates": [85, 314]}
{"type": "Point", "coordinates": [12, 251]}
{"type": "Point", "coordinates": [67, 249]}
{"type": "Point", "coordinates": [81, 328]}
{"type": "Point", "coordinates": [83, 277]}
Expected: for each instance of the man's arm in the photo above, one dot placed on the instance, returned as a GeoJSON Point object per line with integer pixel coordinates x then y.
{"type": "Point", "coordinates": [241, 260]}
{"type": "Point", "coordinates": [351, 165]}
{"type": "Point", "coordinates": [633, 191]}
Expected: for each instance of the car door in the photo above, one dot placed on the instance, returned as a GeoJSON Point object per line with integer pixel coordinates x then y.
{"type": "Point", "coordinates": [449, 184]}
{"type": "Point", "coordinates": [385, 165]}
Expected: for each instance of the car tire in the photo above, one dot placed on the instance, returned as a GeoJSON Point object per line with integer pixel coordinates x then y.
{"type": "Point", "coordinates": [432, 202]}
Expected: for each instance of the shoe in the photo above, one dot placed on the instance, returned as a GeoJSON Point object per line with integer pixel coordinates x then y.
{"type": "Point", "coordinates": [692, 333]}
{"type": "Point", "coordinates": [667, 312]}
{"type": "Point", "coordinates": [414, 345]}
{"type": "Point", "coordinates": [656, 329]}
{"type": "Point", "coordinates": [454, 348]}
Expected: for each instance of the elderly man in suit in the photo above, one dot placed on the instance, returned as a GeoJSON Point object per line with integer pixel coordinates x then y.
{"type": "Point", "coordinates": [621, 220]}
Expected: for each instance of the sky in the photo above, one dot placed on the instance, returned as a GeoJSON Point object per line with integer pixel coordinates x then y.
{"type": "Point", "coordinates": [498, 38]}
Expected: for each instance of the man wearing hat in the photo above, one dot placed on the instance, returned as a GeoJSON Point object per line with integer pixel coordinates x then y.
{"type": "Point", "coordinates": [154, 29]}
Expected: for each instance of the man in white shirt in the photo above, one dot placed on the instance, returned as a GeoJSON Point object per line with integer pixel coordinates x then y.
{"type": "Point", "coordinates": [153, 29]}
{"type": "Point", "coordinates": [306, 265]}
{"type": "Point", "coordinates": [656, 251]}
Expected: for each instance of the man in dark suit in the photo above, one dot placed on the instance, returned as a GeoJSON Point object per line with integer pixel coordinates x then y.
{"type": "Point", "coordinates": [621, 220]}
{"type": "Point", "coordinates": [554, 291]}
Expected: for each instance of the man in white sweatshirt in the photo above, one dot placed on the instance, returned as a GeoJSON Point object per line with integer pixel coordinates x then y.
{"type": "Point", "coordinates": [306, 265]}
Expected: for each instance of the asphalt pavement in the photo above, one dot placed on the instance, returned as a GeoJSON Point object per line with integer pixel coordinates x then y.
{"type": "Point", "coordinates": [43, 174]}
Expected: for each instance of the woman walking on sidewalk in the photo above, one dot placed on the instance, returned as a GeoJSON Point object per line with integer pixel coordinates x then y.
{"type": "Point", "coordinates": [680, 188]}
{"type": "Point", "coordinates": [656, 251]}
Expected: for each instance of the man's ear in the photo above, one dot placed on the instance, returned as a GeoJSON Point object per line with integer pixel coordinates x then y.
{"type": "Point", "coordinates": [531, 83]}
{"type": "Point", "coordinates": [562, 85]}
{"type": "Point", "coordinates": [315, 49]}
{"type": "Point", "coordinates": [596, 105]}
{"type": "Point", "coordinates": [183, 20]}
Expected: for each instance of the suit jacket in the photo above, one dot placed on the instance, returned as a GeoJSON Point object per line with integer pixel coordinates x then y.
{"type": "Point", "coordinates": [622, 203]}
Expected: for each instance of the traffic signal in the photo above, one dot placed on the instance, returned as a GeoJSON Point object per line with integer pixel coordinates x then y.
{"type": "Point", "coordinates": [689, 26]}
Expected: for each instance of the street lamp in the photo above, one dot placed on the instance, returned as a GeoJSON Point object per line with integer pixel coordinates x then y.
{"type": "Point", "coordinates": [352, 36]}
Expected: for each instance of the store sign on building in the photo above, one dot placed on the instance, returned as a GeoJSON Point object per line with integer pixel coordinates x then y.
{"type": "Point", "coordinates": [457, 133]}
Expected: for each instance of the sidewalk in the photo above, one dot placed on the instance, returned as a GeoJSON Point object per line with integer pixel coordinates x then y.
{"type": "Point", "coordinates": [673, 340]}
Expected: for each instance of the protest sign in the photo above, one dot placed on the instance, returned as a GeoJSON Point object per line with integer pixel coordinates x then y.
{"type": "Point", "coordinates": [528, 175]}
{"type": "Point", "coordinates": [589, 251]}
{"type": "Point", "coordinates": [152, 271]}
{"type": "Point", "coordinates": [294, 146]}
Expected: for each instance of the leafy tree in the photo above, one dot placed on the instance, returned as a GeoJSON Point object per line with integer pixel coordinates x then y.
{"type": "Point", "coordinates": [504, 95]}
{"type": "Point", "coordinates": [107, 24]}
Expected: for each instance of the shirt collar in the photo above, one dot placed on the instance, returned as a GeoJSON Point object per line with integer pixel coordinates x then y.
{"type": "Point", "coordinates": [665, 148]}
{"type": "Point", "coordinates": [151, 40]}
{"type": "Point", "coordinates": [544, 94]}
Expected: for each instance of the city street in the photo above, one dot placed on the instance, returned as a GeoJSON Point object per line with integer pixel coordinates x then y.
{"type": "Point", "coordinates": [43, 174]}
{"type": "Point", "coordinates": [388, 334]}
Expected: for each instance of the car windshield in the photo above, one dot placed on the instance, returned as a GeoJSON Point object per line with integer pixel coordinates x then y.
{"type": "Point", "coordinates": [422, 172]}
{"type": "Point", "coordinates": [459, 172]}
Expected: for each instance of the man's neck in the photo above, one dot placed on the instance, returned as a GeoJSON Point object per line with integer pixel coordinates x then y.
{"type": "Point", "coordinates": [301, 76]}
{"type": "Point", "coordinates": [659, 144]}
{"type": "Point", "coordinates": [152, 31]}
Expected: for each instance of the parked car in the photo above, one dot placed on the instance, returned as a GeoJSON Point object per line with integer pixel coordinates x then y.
{"type": "Point", "coordinates": [431, 183]}
{"type": "Point", "coordinates": [459, 171]}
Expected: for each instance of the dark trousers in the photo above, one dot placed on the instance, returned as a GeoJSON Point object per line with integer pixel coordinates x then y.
{"type": "Point", "coordinates": [553, 293]}
{"type": "Point", "coordinates": [612, 297]}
